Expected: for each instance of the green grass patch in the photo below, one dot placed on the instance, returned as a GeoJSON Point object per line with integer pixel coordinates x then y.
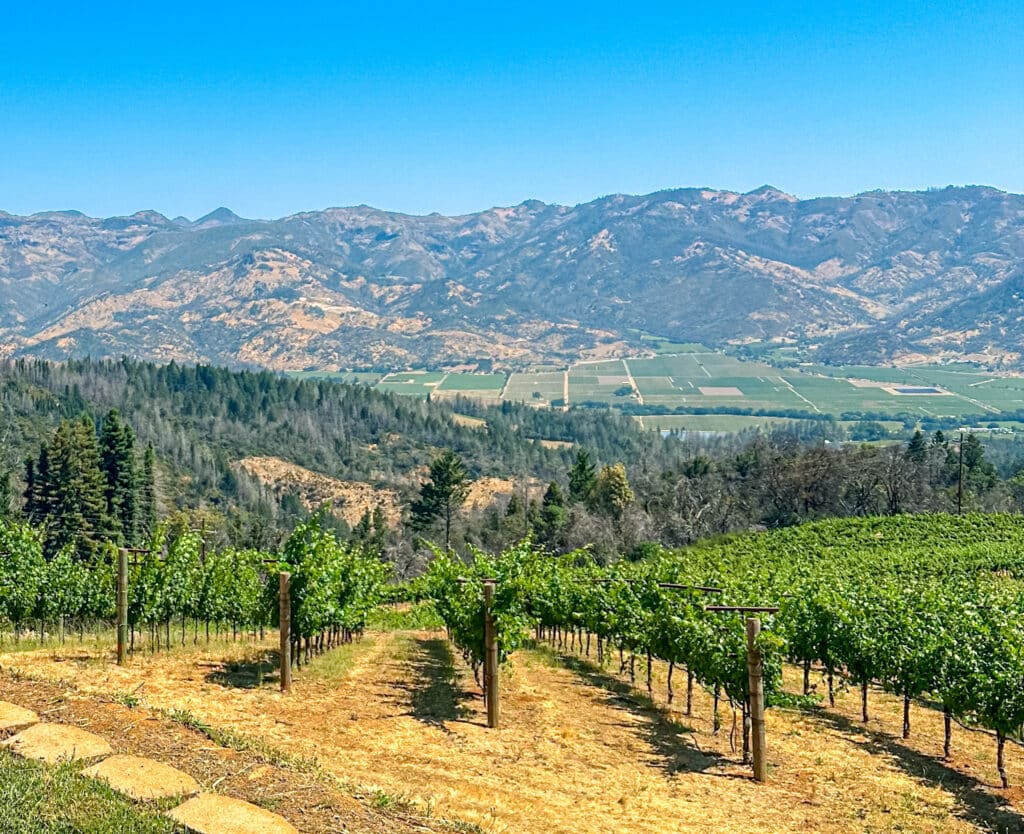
{"type": "Point", "coordinates": [35, 799]}
{"type": "Point", "coordinates": [420, 616]}
{"type": "Point", "coordinates": [336, 663]}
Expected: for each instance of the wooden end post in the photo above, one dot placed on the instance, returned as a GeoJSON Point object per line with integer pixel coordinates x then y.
{"type": "Point", "coordinates": [755, 670]}
{"type": "Point", "coordinates": [286, 631]}
{"type": "Point", "coordinates": [490, 657]}
{"type": "Point", "coordinates": [122, 605]}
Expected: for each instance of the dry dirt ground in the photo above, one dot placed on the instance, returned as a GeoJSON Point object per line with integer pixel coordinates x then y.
{"type": "Point", "coordinates": [578, 750]}
{"type": "Point", "coordinates": [312, 802]}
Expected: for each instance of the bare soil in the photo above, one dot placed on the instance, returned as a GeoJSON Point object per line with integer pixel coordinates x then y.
{"type": "Point", "coordinates": [579, 750]}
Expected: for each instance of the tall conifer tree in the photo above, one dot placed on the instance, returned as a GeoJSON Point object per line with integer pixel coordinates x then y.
{"type": "Point", "coordinates": [117, 453]}
{"type": "Point", "coordinates": [76, 489]}
{"type": "Point", "coordinates": [147, 495]}
{"type": "Point", "coordinates": [442, 495]}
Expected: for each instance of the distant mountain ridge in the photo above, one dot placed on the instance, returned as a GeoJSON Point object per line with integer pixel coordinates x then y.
{"type": "Point", "coordinates": [874, 277]}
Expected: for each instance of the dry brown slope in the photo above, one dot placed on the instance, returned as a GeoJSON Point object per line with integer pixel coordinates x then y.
{"type": "Point", "coordinates": [350, 499]}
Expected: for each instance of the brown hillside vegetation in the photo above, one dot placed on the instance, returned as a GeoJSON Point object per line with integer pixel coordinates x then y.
{"type": "Point", "coordinates": [579, 751]}
{"type": "Point", "coordinates": [485, 491]}
{"type": "Point", "coordinates": [350, 499]}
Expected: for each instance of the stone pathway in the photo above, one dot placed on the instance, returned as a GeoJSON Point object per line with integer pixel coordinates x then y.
{"type": "Point", "coordinates": [136, 777]}
{"type": "Point", "coordinates": [14, 718]}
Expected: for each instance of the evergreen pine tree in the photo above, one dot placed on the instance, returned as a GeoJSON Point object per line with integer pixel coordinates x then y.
{"type": "Point", "coordinates": [917, 448]}
{"type": "Point", "coordinates": [31, 505]}
{"type": "Point", "coordinates": [980, 474]}
{"type": "Point", "coordinates": [38, 492]}
{"type": "Point", "coordinates": [379, 532]}
{"type": "Point", "coordinates": [552, 517]}
{"type": "Point", "coordinates": [361, 532]}
{"type": "Point", "coordinates": [441, 495]}
{"type": "Point", "coordinates": [582, 476]}
{"type": "Point", "coordinates": [78, 503]}
{"type": "Point", "coordinates": [117, 450]}
{"type": "Point", "coordinates": [146, 509]}
{"type": "Point", "coordinates": [6, 496]}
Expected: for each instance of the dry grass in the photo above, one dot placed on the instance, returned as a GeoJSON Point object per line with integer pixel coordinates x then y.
{"type": "Point", "coordinates": [312, 801]}
{"type": "Point", "coordinates": [578, 750]}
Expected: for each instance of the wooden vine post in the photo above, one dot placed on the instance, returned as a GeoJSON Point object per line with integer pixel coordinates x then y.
{"type": "Point", "coordinates": [122, 605]}
{"type": "Point", "coordinates": [755, 671]}
{"type": "Point", "coordinates": [286, 630]}
{"type": "Point", "coordinates": [490, 656]}
{"type": "Point", "coordinates": [755, 682]}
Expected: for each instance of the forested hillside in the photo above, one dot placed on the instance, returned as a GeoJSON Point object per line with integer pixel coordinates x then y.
{"type": "Point", "coordinates": [100, 449]}
{"type": "Point", "coordinates": [201, 421]}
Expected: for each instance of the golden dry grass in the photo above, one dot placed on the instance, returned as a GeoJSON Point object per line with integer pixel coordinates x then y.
{"type": "Point", "coordinates": [578, 750]}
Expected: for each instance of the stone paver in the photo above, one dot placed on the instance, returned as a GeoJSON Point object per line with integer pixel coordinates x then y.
{"type": "Point", "coordinates": [141, 778]}
{"type": "Point", "coordinates": [54, 743]}
{"type": "Point", "coordinates": [212, 814]}
{"type": "Point", "coordinates": [14, 718]}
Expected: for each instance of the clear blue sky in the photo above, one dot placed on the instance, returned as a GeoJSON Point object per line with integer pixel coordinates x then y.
{"type": "Point", "coordinates": [456, 107]}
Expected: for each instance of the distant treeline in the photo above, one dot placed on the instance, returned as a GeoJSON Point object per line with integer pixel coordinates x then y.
{"type": "Point", "coordinates": [149, 440]}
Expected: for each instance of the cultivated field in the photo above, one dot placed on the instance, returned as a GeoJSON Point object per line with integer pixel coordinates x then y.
{"type": "Point", "coordinates": [702, 379]}
{"type": "Point", "coordinates": [397, 718]}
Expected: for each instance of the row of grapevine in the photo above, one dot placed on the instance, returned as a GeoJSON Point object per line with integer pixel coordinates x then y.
{"type": "Point", "coordinates": [176, 586]}
{"type": "Point", "coordinates": [626, 607]}
{"type": "Point", "coordinates": [926, 606]}
{"type": "Point", "coordinates": [334, 587]}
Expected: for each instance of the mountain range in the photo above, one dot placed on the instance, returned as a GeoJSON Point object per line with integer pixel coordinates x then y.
{"type": "Point", "coordinates": [877, 277]}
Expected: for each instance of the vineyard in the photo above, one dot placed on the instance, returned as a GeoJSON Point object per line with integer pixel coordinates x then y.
{"type": "Point", "coordinates": [926, 606]}
{"type": "Point", "coordinates": [633, 677]}
{"type": "Point", "coordinates": [177, 589]}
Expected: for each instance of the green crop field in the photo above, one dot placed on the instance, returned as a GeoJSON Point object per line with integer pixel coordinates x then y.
{"type": "Point", "coordinates": [414, 383]}
{"type": "Point", "coordinates": [543, 387]}
{"type": "Point", "coordinates": [489, 383]}
{"type": "Point", "coordinates": [701, 379]}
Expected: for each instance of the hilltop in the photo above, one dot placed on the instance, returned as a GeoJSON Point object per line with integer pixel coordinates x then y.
{"type": "Point", "coordinates": [878, 276]}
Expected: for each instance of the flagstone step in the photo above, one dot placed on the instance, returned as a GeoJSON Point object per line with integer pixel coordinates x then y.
{"type": "Point", "coordinates": [54, 743]}
{"type": "Point", "coordinates": [141, 778]}
{"type": "Point", "coordinates": [14, 718]}
{"type": "Point", "coordinates": [212, 814]}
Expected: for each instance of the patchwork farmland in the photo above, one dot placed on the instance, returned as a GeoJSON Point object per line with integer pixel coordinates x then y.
{"type": "Point", "coordinates": [667, 389]}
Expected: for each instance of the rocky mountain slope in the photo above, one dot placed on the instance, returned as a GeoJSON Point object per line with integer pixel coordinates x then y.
{"type": "Point", "coordinates": [881, 275]}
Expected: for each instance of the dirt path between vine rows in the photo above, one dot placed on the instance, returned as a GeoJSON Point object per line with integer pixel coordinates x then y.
{"type": "Point", "coordinates": [578, 750]}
